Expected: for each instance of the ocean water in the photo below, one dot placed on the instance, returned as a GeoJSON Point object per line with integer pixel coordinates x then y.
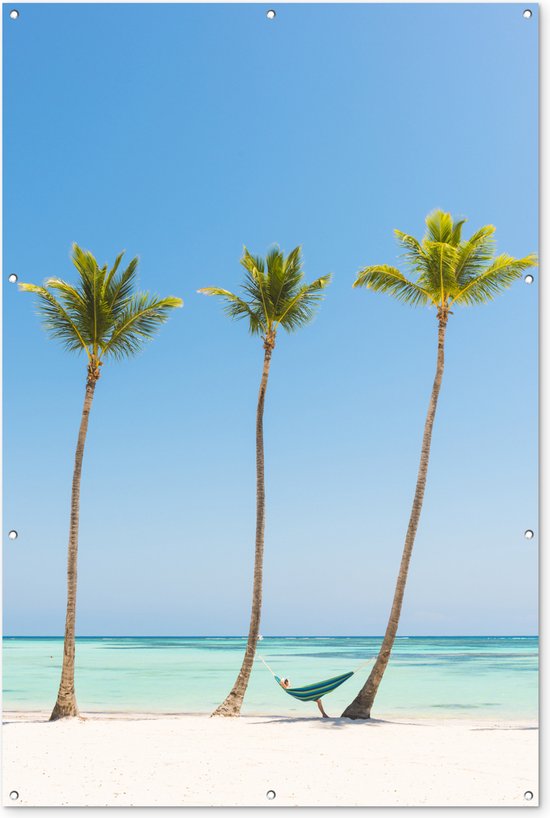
{"type": "Point", "coordinates": [475, 677]}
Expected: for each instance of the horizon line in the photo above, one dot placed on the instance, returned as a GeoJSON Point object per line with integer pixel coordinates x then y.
{"type": "Point", "coordinates": [278, 636]}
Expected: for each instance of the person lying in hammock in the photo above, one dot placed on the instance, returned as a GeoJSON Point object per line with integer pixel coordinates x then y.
{"type": "Point", "coordinates": [286, 683]}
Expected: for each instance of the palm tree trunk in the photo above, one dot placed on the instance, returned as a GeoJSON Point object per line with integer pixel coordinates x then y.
{"type": "Point", "coordinates": [231, 706]}
{"type": "Point", "coordinates": [361, 706]}
{"type": "Point", "coordinates": [66, 700]}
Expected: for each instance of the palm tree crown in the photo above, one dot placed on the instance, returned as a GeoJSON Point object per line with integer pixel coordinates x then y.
{"type": "Point", "coordinates": [448, 269]}
{"type": "Point", "coordinates": [273, 293]}
{"type": "Point", "coordinates": [102, 314]}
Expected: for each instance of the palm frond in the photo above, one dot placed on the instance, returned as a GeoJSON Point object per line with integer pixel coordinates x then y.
{"type": "Point", "coordinates": [474, 255]}
{"type": "Point", "coordinates": [284, 277]}
{"type": "Point", "coordinates": [414, 254]}
{"type": "Point", "coordinates": [119, 287]}
{"type": "Point", "coordinates": [114, 268]}
{"type": "Point", "coordinates": [500, 275]}
{"type": "Point", "coordinates": [385, 279]}
{"type": "Point", "coordinates": [438, 276]}
{"type": "Point", "coordinates": [255, 264]}
{"type": "Point", "coordinates": [301, 308]}
{"type": "Point", "coordinates": [140, 320]}
{"type": "Point", "coordinates": [235, 307]}
{"type": "Point", "coordinates": [412, 247]}
{"type": "Point", "coordinates": [293, 263]}
{"type": "Point", "coordinates": [439, 227]}
{"type": "Point", "coordinates": [255, 282]}
{"type": "Point", "coordinates": [456, 232]}
{"type": "Point", "coordinates": [96, 318]}
{"type": "Point", "coordinates": [71, 298]}
{"type": "Point", "coordinates": [56, 320]}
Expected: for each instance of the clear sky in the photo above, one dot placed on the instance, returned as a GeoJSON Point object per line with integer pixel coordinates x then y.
{"type": "Point", "coordinates": [180, 133]}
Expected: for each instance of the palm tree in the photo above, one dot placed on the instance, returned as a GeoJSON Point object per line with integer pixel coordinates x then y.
{"type": "Point", "coordinates": [274, 296]}
{"type": "Point", "coordinates": [104, 316]}
{"type": "Point", "coordinates": [449, 272]}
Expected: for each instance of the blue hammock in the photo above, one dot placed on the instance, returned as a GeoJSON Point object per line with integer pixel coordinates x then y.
{"type": "Point", "coordinates": [313, 692]}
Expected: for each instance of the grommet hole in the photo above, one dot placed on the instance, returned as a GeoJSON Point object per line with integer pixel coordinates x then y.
{"type": "Point", "coordinates": [14, 795]}
{"type": "Point", "coordinates": [527, 13]}
{"type": "Point", "coordinates": [529, 534]}
{"type": "Point", "coordinates": [271, 14]}
{"type": "Point", "coordinates": [14, 14]}
{"type": "Point", "coordinates": [13, 534]}
{"type": "Point", "coordinates": [12, 278]}
{"type": "Point", "coordinates": [270, 795]}
{"type": "Point", "coordinates": [528, 795]}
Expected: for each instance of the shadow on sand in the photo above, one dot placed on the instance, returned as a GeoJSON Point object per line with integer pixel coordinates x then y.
{"type": "Point", "coordinates": [336, 722]}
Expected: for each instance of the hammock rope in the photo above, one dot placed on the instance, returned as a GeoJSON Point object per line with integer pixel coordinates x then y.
{"type": "Point", "coordinates": [313, 692]}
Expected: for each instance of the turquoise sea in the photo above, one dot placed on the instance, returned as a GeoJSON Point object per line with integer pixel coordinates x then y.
{"type": "Point", "coordinates": [476, 677]}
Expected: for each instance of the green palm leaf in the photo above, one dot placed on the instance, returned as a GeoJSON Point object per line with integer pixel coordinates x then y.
{"type": "Point", "coordinates": [475, 254]}
{"type": "Point", "coordinates": [74, 305]}
{"type": "Point", "coordinates": [439, 227]}
{"type": "Point", "coordinates": [138, 323]}
{"type": "Point", "coordinates": [385, 279]}
{"type": "Point", "coordinates": [236, 308]}
{"type": "Point", "coordinates": [413, 250]}
{"type": "Point", "coordinates": [96, 318]}
{"type": "Point", "coordinates": [438, 276]}
{"type": "Point", "coordinates": [56, 320]}
{"type": "Point", "coordinates": [456, 233]}
{"type": "Point", "coordinates": [285, 275]}
{"type": "Point", "coordinates": [119, 288]}
{"type": "Point", "coordinates": [301, 308]}
{"type": "Point", "coordinates": [109, 277]}
{"type": "Point", "coordinates": [500, 275]}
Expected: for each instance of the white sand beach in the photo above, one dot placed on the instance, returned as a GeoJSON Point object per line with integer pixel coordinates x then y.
{"type": "Point", "coordinates": [125, 760]}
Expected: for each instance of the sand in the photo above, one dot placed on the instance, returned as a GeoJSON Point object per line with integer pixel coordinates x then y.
{"type": "Point", "coordinates": [175, 760]}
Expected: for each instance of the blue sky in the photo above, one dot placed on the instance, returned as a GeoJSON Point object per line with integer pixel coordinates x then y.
{"type": "Point", "coordinates": [181, 133]}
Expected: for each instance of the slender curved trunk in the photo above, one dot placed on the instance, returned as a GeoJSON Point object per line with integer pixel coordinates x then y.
{"type": "Point", "coordinates": [231, 706]}
{"type": "Point", "coordinates": [361, 706]}
{"type": "Point", "coordinates": [66, 700]}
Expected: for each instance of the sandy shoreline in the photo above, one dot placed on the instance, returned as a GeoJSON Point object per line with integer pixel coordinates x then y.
{"type": "Point", "coordinates": [194, 760]}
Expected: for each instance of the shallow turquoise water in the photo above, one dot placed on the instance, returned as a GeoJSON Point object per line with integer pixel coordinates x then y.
{"type": "Point", "coordinates": [480, 677]}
